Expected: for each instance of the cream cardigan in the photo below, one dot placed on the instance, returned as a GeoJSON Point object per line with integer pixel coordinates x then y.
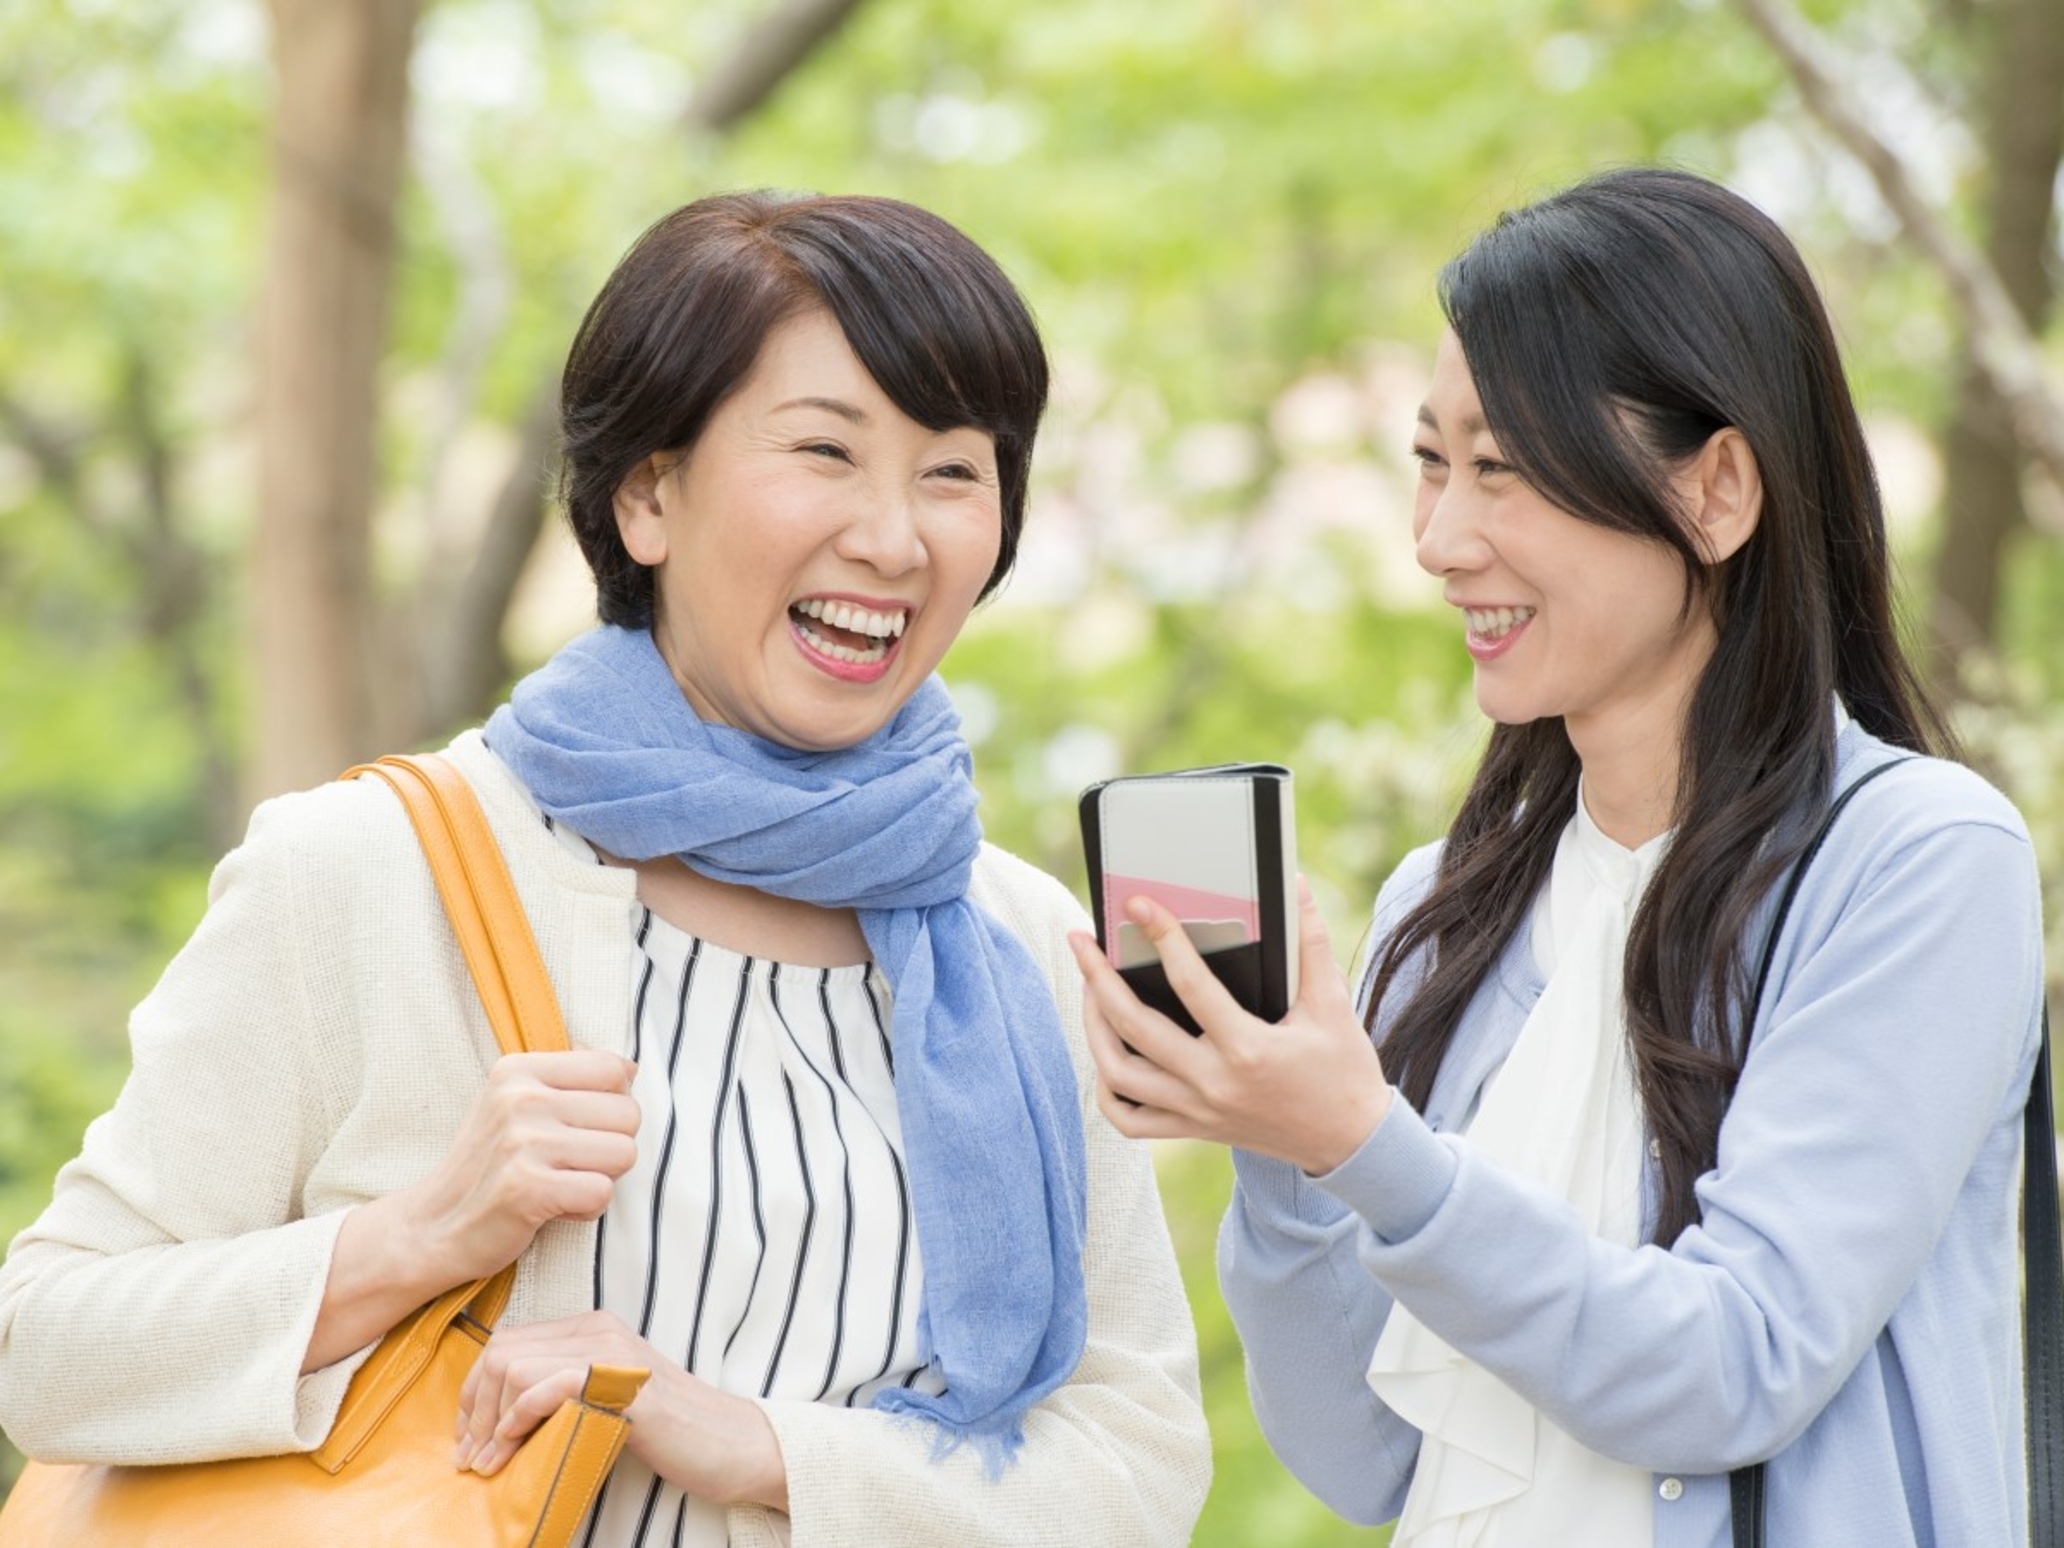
{"type": "Point", "coordinates": [317, 1043]}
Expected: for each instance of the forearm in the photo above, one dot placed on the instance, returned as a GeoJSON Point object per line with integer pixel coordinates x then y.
{"type": "Point", "coordinates": [1094, 1467]}
{"type": "Point", "coordinates": [1309, 1317]}
{"type": "Point", "coordinates": [380, 1271]}
{"type": "Point", "coordinates": [100, 1349]}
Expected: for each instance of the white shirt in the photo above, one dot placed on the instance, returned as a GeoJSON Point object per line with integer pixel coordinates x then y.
{"type": "Point", "coordinates": [1493, 1472]}
{"type": "Point", "coordinates": [764, 1238]}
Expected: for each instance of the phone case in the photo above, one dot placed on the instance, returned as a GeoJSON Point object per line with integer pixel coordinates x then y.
{"type": "Point", "coordinates": [1215, 846]}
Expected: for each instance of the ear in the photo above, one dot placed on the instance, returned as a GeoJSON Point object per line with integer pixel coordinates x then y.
{"type": "Point", "coordinates": [640, 504]}
{"type": "Point", "coordinates": [1723, 495]}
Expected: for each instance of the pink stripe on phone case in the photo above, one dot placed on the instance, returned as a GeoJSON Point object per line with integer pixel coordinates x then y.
{"type": "Point", "coordinates": [1187, 903]}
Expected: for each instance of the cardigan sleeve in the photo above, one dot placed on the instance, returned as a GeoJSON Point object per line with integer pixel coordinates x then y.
{"type": "Point", "coordinates": [1308, 1315]}
{"type": "Point", "coordinates": [160, 1307]}
{"type": "Point", "coordinates": [1895, 1053]}
{"type": "Point", "coordinates": [1118, 1454]}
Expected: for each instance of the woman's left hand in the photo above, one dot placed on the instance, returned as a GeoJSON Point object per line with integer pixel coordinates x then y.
{"type": "Point", "coordinates": [714, 1446]}
{"type": "Point", "coordinates": [1308, 1089]}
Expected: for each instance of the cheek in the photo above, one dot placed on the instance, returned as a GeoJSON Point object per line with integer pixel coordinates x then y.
{"type": "Point", "coordinates": [964, 550]}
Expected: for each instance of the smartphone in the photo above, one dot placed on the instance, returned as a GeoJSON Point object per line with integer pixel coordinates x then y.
{"type": "Point", "coordinates": [1216, 847]}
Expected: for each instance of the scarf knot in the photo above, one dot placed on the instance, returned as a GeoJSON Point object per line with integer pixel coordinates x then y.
{"type": "Point", "coordinates": [607, 743]}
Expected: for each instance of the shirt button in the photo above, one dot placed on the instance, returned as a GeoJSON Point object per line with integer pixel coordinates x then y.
{"type": "Point", "coordinates": [1671, 1489]}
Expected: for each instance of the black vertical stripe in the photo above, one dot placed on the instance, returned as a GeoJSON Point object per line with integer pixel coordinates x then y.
{"type": "Point", "coordinates": [759, 1221]}
{"type": "Point", "coordinates": [637, 1047]}
{"type": "Point", "coordinates": [657, 1221]}
{"type": "Point", "coordinates": [902, 1270]}
{"type": "Point", "coordinates": [795, 1285]}
{"type": "Point", "coordinates": [888, 1048]}
{"type": "Point", "coordinates": [716, 1203]}
{"type": "Point", "coordinates": [903, 1221]}
{"type": "Point", "coordinates": [838, 1129]}
{"type": "Point", "coordinates": [831, 1026]}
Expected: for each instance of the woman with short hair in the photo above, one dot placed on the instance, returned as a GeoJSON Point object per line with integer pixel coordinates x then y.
{"type": "Point", "coordinates": [821, 1156]}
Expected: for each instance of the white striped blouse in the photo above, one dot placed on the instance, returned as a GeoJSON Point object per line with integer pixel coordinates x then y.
{"type": "Point", "coordinates": [764, 1238]}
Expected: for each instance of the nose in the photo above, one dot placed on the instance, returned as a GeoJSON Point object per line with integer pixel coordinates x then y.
{"type": "Point", "coordinates": [882, 533]}
{"type": "Point", "coordinates": [1448, 537]}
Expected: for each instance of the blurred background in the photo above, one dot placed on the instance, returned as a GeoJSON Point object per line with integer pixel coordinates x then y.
{"type": "Point", "coordinates": [284, 288]}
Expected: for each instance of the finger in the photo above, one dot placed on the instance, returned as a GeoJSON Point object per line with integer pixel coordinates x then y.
{"type": "Point", "coordinates": [1144, 1032]}
{"type": "Point", "coordinates": [528, 1408]}
{"type": "Point", "coordinates": [570, 1069]}
{"type": "Point", "coordinates": [1135, 1121]}
{"type": "Point", "coordinates": [1129, 1076]}
{"type": "Point", "coordinates": [610, 1112]}
{"type": "Point", "coordinates": [1320, 984]}
{"type": "Point", "coordinates": [590, 1150]}
{"type": "Point", "coordinates": [1194, 984]}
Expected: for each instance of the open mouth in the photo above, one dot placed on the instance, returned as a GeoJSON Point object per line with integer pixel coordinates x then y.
{"type": "Point", "coordinates": [1494, 623]}
{"type": "Point", "coordinates": [854, 635]}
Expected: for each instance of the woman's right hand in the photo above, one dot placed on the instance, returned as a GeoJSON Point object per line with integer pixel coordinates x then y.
{"type": "Point", "coordinates": [545, 1140]}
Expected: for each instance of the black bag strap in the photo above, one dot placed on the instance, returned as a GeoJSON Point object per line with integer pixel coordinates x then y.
{"type": "Point", "coordinates": [2042, 1307]}
{"type": "Point", "coordinates": [2042, 1247]}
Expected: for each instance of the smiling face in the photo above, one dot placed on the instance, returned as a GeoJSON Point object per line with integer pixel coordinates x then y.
{"type": "Point", "coordinates": [817, 550]}
{"type": "Point", "coordinates": [1564, 617]}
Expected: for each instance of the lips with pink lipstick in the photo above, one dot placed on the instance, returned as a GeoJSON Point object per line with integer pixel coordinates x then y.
{"type": "Point", "coordinates": [1495, 630]}
{"type": "Point", "coordinates": [850, 639]}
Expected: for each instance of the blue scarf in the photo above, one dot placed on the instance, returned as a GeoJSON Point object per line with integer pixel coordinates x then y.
{"type": "Point", "coordinates": [992, 1134]}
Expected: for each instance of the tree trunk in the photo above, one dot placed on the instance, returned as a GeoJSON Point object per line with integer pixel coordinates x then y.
{"type": "Point", "coordinates": [339, 130]}
{"type": "Point", "coordinates": [2023, 95]}
{"type": "Point", "coordinates": [462, 626]}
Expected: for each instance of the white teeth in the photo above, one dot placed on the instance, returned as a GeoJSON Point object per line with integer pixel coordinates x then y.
{"type": "Point", "coordinates": [822, 646]}
{"type": "Point", "coordinates": [1495, 622]}
{"type": "Point", "coordinates": [840, 615]}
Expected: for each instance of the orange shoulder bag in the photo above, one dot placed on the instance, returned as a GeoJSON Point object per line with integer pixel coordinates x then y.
{"type": "Point", "coordinates": [385, 1474]}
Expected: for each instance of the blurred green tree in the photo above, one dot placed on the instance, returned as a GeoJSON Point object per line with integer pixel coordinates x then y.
{"type": "Point", "coordinates": [1227, 214]}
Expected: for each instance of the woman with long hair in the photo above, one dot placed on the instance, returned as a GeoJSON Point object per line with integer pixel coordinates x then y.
{"type": "Point", "coordinates": [1571, 1214]}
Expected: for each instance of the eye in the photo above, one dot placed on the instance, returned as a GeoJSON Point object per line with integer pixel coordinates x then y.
{"type": "Point", "coordinates": [1428, 459]}
{"type": "Point", "coordinates": [829, 450]}
{"type": "Point", "coordinates": [964, 471]}
{"type": "Point", "coordinates": [1490, 467]}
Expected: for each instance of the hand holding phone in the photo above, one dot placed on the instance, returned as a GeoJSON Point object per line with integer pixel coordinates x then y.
{"type": "Point", "coordinates": [1216, 847]}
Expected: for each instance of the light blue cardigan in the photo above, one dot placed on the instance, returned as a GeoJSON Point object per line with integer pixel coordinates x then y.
{"type": "Point", "coordinates": [1848, 1306]}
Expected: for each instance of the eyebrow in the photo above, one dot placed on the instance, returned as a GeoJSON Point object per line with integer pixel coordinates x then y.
{"type": "Point", "coordinates": [1471, 424]}
{"type": "Point", "coordinates": [839, 406]}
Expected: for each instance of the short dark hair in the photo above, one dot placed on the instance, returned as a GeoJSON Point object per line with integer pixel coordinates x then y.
{"type": "Point", "coordinates": [1611, 330]}
{"type": "Point", "coordinates": [682, 319]}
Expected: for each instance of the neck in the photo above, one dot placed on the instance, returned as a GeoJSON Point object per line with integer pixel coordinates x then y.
{"type": "Point", "coordinates": [746, 920]}
{"type": "Point", "coordinates": [1630, 774]}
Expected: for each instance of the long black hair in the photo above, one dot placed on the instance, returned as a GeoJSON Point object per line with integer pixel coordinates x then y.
{"type": "Point", "coordinates": [1658, 302]}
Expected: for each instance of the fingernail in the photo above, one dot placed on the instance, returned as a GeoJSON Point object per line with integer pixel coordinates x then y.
{"type": "Point", "coordinates": [462, 1454]}
{"type": "Point", "coordinates": [1139, 909]}
{"type": "Point", "coordinates": [484, 1463]}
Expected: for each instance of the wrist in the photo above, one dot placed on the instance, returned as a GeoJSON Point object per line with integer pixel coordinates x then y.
{"type": "Point", "coordinates": [402, 1254]}
{"type": "Point", "coordinates": [763, 1470]}
{"type": "Point", "coordinates": [712, 1444]}
{"type": "Point", "coordinates": [1362, 1117]}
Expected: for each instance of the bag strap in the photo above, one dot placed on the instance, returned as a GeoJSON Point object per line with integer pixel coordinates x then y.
{"type": "Point", "coordinates": [2042, 1306]}
{"type": "Point", "coordinates": [2042, 1246]}
{"type": "Point", "coordinates": [501, 954]}
{"type": "Point", "coordinates": [1745, 1484]}
{"type": "Point", "coordinates": [480, 899]}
